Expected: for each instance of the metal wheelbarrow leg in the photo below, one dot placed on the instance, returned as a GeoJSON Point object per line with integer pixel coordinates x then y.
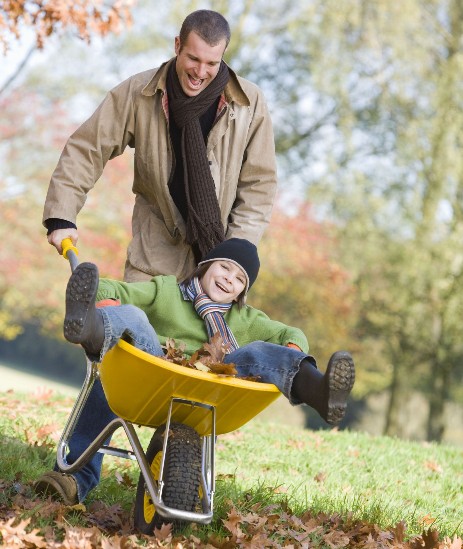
{"type": "Point", "coordinates": [151, 510]}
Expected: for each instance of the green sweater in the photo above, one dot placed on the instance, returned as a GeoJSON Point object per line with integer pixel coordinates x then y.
{"type": "Point", "coordinates": [174, 317]}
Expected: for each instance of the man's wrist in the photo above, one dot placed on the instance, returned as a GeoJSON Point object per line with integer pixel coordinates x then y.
{"type": "Point", "coordinates": [54, 223]}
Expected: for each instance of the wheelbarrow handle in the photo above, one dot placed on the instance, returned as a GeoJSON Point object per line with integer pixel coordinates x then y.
{"type": "Point", "coordinates": [70, 252]}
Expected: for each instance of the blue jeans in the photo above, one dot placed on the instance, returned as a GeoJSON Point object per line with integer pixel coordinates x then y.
{"type": "Point", "coordinates": [272, 363]}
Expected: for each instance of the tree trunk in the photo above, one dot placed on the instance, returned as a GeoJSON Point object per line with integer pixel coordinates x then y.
{"type": "Point", "coordinates": [393, 426]}
{"type": "Point", "coordinates": [437, 398]}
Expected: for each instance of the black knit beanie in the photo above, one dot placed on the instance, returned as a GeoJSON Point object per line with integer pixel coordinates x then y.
{"type": "Point", "coordinates": [239, 251]}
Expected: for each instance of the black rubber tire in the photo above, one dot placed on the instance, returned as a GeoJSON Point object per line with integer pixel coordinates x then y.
{"type": "Point", "coordinates": [182, 476]}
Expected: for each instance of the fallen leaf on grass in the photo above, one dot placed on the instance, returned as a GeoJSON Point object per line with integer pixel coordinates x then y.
{"type": "Point", "coordinates": [336, 539]}
{"type": "Point", "coordinates": [106, 517]}
{"type": "Point", "coordinates": [164, 533]}
{"type": "Point", "coordinates": [399, 531]}
{"type": "Point", "coordinates": [449, 544]}
{"type": "Point", "coordinates": [370, 543]}
{"type": "Point", "coordinates": [431, 539]}
{"type": "Point", "coordinates": [433, 466]}
{"type": "Point", "coordinates": [81, 537]}
{"type": "Point", "coordinates": [17, 536]}
{"type": "Point", "coordinates": [50, 431]}
{"type": "Point", "coordinates": [43, 393]}
{"type": "Point", "coordinates": [427, 520]}
{"type": "Point", "coordinates": [298, 444]}
{"type": "Point", "coordinates": [124, 479]}
{"type": "Point", "coordinates": [320, 477]}
{"type": "Point", "coordinates": [232, 523]}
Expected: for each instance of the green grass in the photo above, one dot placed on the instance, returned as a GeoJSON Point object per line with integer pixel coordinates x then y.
{"type": "Point", "coordinates": [378, 480]}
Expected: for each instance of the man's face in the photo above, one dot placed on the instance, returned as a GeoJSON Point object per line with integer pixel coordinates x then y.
{"type": "Point", "coordinates": [197, 63]}
{"type": "Point", "coordinates": [224, 281]}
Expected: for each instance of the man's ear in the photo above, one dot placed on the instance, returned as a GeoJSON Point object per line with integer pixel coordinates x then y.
{"type": "Point", "coordinates": [177, 45]}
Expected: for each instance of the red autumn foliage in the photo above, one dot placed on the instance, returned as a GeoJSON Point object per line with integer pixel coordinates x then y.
{"type": "Point", "coordinates": [302, 282]}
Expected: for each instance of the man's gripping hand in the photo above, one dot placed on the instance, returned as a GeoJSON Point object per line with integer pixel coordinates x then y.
{"type": "Point", "coordinates": [56, 237]}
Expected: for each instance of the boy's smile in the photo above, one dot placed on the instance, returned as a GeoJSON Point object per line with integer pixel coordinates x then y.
{"type": "Point", "coordinates": [224, 281]}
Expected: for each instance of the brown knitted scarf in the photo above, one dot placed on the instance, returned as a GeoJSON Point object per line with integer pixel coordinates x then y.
{"type": "Point", "coordinates": [204, 225]}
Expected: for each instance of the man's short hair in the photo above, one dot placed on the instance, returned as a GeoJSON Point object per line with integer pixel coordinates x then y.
{"type": "Point", "coordinates": [210, 25]}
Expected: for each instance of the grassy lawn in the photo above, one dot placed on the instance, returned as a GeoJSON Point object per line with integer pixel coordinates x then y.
{"type": "Point", "coordinates": [354, 476]}
{"type": "Point", "coordinates": [378, 479]}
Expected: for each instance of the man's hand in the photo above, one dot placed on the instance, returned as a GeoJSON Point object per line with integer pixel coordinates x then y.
{"type": "Point", "coordinates": [56, 237]}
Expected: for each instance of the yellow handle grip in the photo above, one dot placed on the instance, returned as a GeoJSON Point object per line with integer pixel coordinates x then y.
{"type": "Point", "coordinates": [67, 246]}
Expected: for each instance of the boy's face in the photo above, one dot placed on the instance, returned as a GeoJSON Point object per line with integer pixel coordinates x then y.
{"type": "Point", "coordinates": [224, 281]}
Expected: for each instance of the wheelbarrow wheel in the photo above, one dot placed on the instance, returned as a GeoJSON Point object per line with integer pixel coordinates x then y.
{"type": "Point", "coordinates": [182, 476]}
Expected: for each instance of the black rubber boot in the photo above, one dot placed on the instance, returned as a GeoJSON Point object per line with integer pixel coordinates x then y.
{"type": "Point", "coordinates": [326, 393]}
{"type": "Point", "coordinates": [83, 322]}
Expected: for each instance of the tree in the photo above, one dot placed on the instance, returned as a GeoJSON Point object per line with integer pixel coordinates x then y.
{"type": "Point", "coordinates": [29, 150]}
{"type": "Point", "coordinates": [49, 17]}
{"type": "Point", "coordinates": [372, 128]}
{"type": "Point", "coordinates": [24, 119]}
{"type": "Point", "coordinates": [396, 180]}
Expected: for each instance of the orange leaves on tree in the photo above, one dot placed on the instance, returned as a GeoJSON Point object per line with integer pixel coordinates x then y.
{"type": "Point", "coordinates": [51, 16]}
{"type": "Point", "coordinates": [30, 147]}
{"type": "Point", "coordinates": [27, 157]}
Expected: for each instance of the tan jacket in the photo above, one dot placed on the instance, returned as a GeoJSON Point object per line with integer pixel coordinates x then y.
{"type": "Point", "coordinates": [241, 155]}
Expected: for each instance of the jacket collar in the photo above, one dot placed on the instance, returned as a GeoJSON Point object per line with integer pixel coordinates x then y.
{"type": "Point", "coordinates": [233, 90]}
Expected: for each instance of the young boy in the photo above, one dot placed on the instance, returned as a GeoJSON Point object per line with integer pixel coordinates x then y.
{"type": "Point", "coordinates": [210, 301]}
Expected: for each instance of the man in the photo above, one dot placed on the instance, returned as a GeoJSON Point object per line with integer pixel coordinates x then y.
{"type": "Point", "coordinates": [205, 171]}
{"type": "Point", "coordinates": [205, 165]}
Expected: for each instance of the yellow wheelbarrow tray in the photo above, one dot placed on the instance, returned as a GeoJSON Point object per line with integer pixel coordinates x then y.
{"type": "Point", "coordinates": [139, 387]}
{"type": "Point", "coordinates": [145, 390]}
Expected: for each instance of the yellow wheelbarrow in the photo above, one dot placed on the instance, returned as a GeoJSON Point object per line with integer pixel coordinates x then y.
{"type": "Point", "coordinates": [187, 409]}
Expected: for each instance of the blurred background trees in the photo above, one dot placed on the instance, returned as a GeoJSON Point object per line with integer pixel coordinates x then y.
{"type": "Point", "coordinates": [364, 250]}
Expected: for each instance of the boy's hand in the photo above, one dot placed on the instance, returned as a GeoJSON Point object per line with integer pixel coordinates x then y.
{"type": "Point", "coordinates": [293, 346]}
{"type": "Point", "coordinates": [107, 303]}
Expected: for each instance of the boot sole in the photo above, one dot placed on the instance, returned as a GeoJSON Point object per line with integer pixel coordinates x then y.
{"type": "Point", "coordinates": [341, 378]}
{"type": "Point", "coordinates": [80, 296]}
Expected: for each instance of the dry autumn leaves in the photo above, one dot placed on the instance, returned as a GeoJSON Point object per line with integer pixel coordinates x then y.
{"type": "Point", "coordinates": [209, 358]}
{"type": "Point", "coordinates": [261, 527]}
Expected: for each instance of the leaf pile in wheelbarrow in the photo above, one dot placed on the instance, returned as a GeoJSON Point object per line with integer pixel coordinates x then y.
{"type": "Point", "coordinates": [209, 358]}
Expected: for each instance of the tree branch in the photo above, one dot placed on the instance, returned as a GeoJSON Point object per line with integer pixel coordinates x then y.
{"type": "Point", "coordinates": [18, 70]}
